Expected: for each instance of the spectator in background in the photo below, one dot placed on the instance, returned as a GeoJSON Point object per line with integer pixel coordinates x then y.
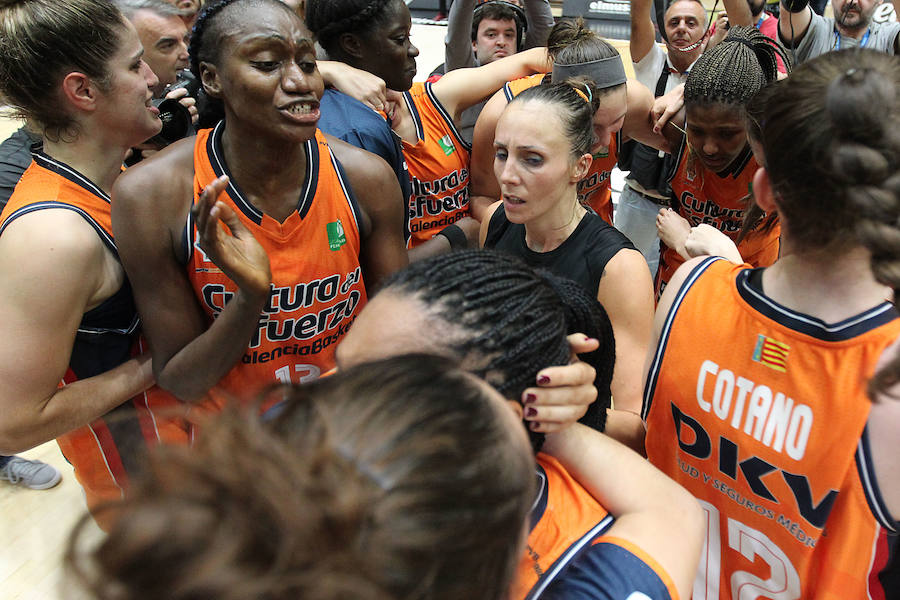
{"type": "Point", "coordinates": [808, 34]}
{"type": "Point", "coordinates": [646, 189]}
{"type": "Point", "coordinates": [163, 35]}
{"type": "Point", "coordinates": [478, 35]}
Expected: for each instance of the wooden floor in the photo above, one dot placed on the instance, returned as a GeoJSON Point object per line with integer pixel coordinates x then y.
{"type": "Point", "coordinates": [35, 526]}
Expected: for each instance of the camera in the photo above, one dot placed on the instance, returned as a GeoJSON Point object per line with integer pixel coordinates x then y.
{"type": "Point", "coordinates": [176, 119]}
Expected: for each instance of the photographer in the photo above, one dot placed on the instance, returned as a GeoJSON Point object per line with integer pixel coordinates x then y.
{"type": "Point", "coordinates": [164, 36]}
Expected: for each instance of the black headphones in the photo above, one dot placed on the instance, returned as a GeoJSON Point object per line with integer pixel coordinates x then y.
{"type": "Point", "coordinates": [518, 15]}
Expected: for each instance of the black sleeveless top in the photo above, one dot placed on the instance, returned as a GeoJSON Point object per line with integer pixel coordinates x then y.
{"type": "Point", "coordinates": [582, 257]}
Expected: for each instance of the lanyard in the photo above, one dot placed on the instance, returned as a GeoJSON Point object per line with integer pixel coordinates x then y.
{"type": "Point", "coordinates": [862, 42]}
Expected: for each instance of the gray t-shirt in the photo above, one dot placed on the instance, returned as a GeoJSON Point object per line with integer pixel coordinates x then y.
{"type": "Point", "coordinates": [822, 37]}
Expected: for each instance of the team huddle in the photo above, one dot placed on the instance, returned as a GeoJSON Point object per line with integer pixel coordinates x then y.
{"type": "Point", "coordinates": [353, 336]}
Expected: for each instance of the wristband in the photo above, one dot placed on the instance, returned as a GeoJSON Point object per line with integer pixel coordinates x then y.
{"type": "Point", "coordinates": [456, 236]}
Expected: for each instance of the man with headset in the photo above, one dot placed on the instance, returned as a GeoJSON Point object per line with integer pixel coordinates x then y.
{"type": "Point", "coordinates": [478, 35]}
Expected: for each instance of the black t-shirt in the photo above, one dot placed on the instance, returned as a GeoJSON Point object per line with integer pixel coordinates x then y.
{"type": "Point", "coordinates": [582, 257]}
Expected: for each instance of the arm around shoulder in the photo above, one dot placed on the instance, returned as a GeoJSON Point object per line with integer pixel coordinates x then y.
{"type": "Point", "coordinates": [652, 512]}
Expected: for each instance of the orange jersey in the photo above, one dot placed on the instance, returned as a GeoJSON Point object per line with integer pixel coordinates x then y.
{"type": "Point", "coordinates": [107, 451]}
{"type": "Point", "coordinates": [594, 191]}
{"type": "Point", "coordinates": [568, 553]}
{"type": "Point", "coordinates": [718, 199]}
{"type": "Point", "coordinates": [762, 417]}
{"type": "Point", "coordinates": [438, 166]}
{"type": "Point", "coordinates": [317, 285]}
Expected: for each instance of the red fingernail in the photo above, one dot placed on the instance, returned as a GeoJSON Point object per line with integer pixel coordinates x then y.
{"type": "Point", "coordinates": [543, 380]}
{"type": "Point", "coordinates": [535, 425]}
{"type": "Point", "coordinates": [529, 398]}
{"type": "Point", "coordinates": [530, 412]}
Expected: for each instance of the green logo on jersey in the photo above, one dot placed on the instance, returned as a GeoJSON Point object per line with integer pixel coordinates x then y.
{"type": "Point", "coordinates": [447, 145]}
{"type": "Point", "coordinates": [336, 237]}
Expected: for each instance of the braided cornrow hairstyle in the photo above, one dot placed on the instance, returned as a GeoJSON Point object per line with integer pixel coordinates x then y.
{"type": "Point", "coordinates": [510, 322]}
{"type": "Point", "coordinates": [328, 19]}
{"type": "Point", "coordinates": [736, 69]}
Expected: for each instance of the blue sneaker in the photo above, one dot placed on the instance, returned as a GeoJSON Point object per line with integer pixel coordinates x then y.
{"type": "Point", "coordinates": [33, 474]}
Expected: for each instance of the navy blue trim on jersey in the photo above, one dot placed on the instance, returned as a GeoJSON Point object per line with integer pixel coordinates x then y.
{"type": "Point", "coordinates": [567, 557]}
{"type": "Point", "coordinates": [187, 239]}
{"type": "Point", "coordinates": [737, 165]}
{"type": "Point", "coordinates": [734, 170]}
{"type": "Point", "coordinates": [448, 118]}
{"type": "Point", "coordinates": [829, 332]}
{"type": "Point", "coordinates": [607, 571]}
{"type": "Point", "coordinates": [216, 155]}
{"type": "Point", "coordinates": [67, 172]}
{"type": "Point", "coordinates": [507, 91]}
{"type": "Point", "coordinates": [348, 194]}
{"type": "Point", "coordinates": [540, 500]}
{"type": "Point", "coordinates": [30, 208]}
{"type": "Point", "coordinates": [866, 470]}
{"type": "Point", "coordinates": [678, 156]}
{"type": "Point", "coordinates": [416, 117]}
{"type": "Point", "coordinates": [653, 375]}
{"type": "Point", "coordinates": [311, 180]}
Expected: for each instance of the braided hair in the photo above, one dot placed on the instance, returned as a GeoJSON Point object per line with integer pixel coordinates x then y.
{"type": "Point", "coordinates": [840, 113]}
{"type": "Point", "coordinates": [509, 321]}
{"type": "Point", "coordinates": [328, 19]}
{"type": "Point", "coordinates": [736, 69]}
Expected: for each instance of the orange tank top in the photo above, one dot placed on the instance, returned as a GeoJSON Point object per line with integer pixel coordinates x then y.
{"type": "Point", "coordinates": [762, 417]}
{"type": "Point", "coordinates": [565, 519]}
{"type": "Point", "coordinates": [317, 285]}
{"type": "Point", "coordinates": [718, 199]}
{"type": "Point", "coordinates": [108, 451]}
{"type": "Point", "coordinates": [595, 190]}
{"type": "Point", "coordinates": [438, 167]}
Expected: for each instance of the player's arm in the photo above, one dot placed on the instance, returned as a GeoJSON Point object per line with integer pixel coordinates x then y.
{"type": "Point", "coordinates": [640, 118]}
{"type": "Point", "coordinates": [793, 21]}
{"type": "Point", "coordinates": [626, 292]}
{"type": "Point", "coordinates": [539, 16]}
{"type": "Point", "coordinates": [652, 512]}
{"type": "Point", "coordinates": [54, 268]}
{"type": "Point", "coordinates": [460, 89]}
{"type": "Point", "coordinates": [483, 187]}
{"type": "Point", "coordinates": [150, 206]}
{"type": "Point", "coordinates": [356, 83]}
{"type": "Point", "coordinates": [665, 305]}
{"type": "Point", "coordinates": [738, 12]}
{"type": "Point", "coordinates": [383, 249]}
{"type": "Point", "coordinates": [458, 52]}
{"type": "Point", "coordinates": [643, 35]}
